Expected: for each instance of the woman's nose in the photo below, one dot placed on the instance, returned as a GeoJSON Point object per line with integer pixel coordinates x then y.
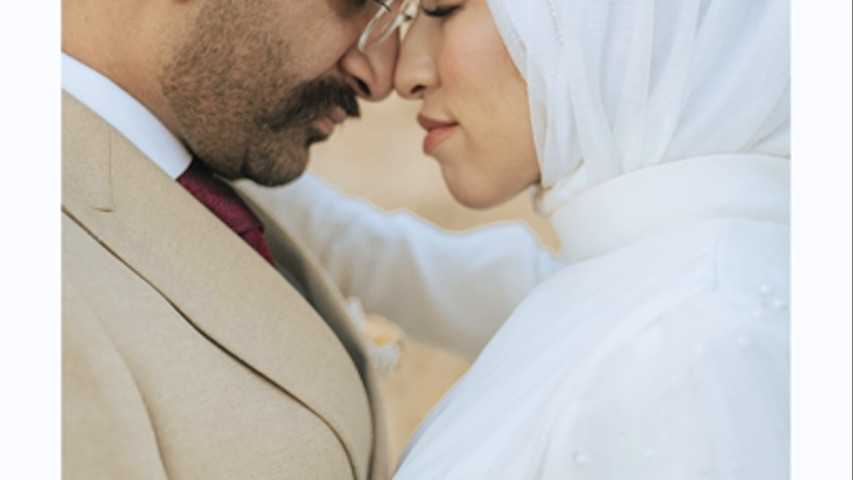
{"type": "Point", "coordinates": [371, 73]}
{"type": "Point", "coordinates": [416, 72]}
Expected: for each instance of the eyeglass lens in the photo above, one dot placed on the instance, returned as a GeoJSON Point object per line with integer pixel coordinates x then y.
{"type": "Point", "coordinates": [388, 19]}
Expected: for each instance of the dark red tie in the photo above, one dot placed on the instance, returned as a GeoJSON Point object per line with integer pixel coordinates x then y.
{"type": "Point", "coordinates": [221, 199]}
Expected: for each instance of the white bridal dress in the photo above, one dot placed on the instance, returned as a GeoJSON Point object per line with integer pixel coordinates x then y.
{"type": "Point", "coordinates": [663, 358]}
{"type": "Point", "coordinates": [657, 347]}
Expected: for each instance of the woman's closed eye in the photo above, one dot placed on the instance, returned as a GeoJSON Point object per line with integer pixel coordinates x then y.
{"type": "Point", "coordinates": [439, 11]}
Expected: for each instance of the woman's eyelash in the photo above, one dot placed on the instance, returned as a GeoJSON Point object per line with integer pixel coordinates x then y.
{"type": "Point", "coordinates": [439, 11]}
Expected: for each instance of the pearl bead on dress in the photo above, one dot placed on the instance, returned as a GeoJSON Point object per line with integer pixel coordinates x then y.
{"type": "Point", "coordinates": [582, 459]}
{"type": "Point", "coordinates": [779, 304]}
{"type": "Point", "coordinates": [743, 342]}
{"type": "Point", "coordinates": [700, 350]}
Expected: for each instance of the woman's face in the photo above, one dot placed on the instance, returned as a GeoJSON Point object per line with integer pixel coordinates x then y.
{"type": "Point", "coordinates": [474, 101]}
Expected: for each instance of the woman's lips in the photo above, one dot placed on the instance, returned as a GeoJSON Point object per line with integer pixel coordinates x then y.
{"type": "Point", "coordinates": [437, 131]}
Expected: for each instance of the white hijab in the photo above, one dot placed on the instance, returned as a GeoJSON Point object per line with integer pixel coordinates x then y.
{"type": "Point", "coordinates": [620, 85]}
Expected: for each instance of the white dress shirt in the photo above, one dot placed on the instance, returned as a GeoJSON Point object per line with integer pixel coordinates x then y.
{"type": "Point", "coordinates": [126, 115]}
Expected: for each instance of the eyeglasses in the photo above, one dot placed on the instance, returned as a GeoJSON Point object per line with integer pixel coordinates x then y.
{"type": "Point", "coordinates": [391, 14]}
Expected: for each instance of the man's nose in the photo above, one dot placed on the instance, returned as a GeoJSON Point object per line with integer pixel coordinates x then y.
{"type": "Point", "coordinates": [371, 73]}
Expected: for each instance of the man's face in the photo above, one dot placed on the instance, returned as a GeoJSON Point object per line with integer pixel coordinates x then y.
{"type": "Point", "coordinates": [256, 82]}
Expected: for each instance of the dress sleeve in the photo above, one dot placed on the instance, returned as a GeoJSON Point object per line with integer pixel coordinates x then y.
{"type": "Point", "coordinates": [454, 290]}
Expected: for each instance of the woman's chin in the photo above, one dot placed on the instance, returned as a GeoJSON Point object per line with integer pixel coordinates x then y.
{"type": "Point", "coordinates": [472, 202]}
{"type": "Point", "coordinates": [475, 196]}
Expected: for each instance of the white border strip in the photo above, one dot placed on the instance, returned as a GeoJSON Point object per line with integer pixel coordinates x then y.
{"type": "Point", "coordinates": [821, 221]}
{"type": "Point", "coordinates": [29, 240]}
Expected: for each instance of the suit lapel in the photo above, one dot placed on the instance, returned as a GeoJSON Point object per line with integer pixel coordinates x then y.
{"type": "Point", "coordinates": [222, 287]}
{"type": "Point", "coordinates": [291, 256]}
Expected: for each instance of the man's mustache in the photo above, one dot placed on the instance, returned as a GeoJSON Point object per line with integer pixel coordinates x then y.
{"type": "Point", "coordinates": [313, 101]}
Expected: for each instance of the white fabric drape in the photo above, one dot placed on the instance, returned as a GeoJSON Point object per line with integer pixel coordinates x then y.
{"type": "Point", "coordinates": [665, 360]}
{"type": "Point", "coordinates": [620, 85]}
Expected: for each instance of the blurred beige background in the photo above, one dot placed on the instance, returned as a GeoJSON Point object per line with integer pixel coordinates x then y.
{"type": "Point", "coordinates": [379, 158]}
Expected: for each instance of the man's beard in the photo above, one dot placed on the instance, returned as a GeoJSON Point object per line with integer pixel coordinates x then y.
{"type": "Point", "coordinates": [279, 152]}
{"type": "Point", "coordinates": [238, 107]}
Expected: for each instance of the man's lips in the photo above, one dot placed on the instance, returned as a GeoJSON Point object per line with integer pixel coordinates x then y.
{"type": "Point", "coordinates": [338, 114]}
{"type": "Point", "coordinates": [326, 124]}
{"type": "Point", "coordinates": [437, 131]}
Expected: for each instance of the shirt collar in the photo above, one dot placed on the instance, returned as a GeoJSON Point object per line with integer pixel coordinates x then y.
{"type": "Point", "coordinates": [126, 115]}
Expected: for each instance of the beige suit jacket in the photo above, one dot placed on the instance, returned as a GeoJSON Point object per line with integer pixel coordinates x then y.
{"type": "Point", "coordinates": [185, 355]}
